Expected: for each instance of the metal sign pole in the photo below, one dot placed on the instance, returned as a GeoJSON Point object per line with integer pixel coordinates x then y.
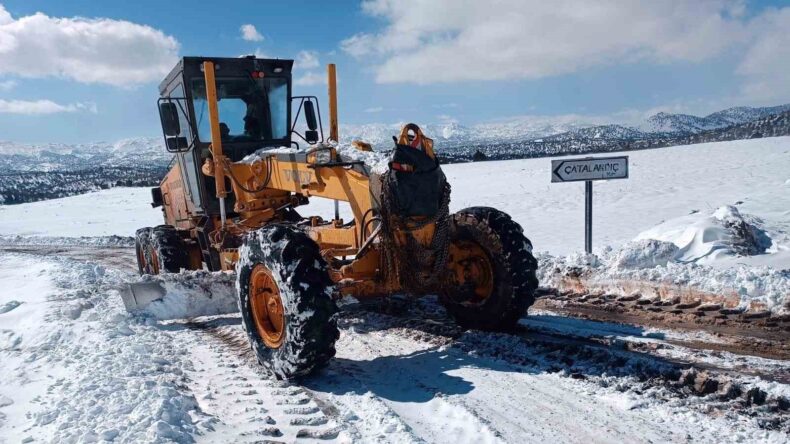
{"type": "Point", "coordinates": [588, 214]}
{"type": "Point", "coordinates": [587, 170]}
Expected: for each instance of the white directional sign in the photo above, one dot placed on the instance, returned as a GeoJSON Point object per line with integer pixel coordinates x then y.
{"type": "Point", "coordinates": [586, 170]}
{"type": "Point", "coordinates": [589, 168]}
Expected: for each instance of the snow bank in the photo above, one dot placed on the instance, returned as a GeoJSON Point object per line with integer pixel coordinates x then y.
{"type": "Point", "coordinates": [94, 373]}
{"type": "Point", "coordinates": [706, 239]}
{"type": "Point", "coordinates": [649, 263]}
{"type": "Point", "coordinates": [647, 253]}
{"type": "Point", "coordinates": [82, 241]}
{"type": "Point", "coordinates": [733, 256]}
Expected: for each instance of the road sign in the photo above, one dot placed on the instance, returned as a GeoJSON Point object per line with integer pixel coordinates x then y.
{"type": "Point", "coordinates": [589, 168]}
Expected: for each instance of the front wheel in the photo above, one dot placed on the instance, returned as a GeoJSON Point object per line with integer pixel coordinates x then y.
{"type": "Point", "coordinates": [160, 250]}
{"type": "Point", "coordinates": [492, 272]}
{"type": "Point", "coordinates": [285, 299]}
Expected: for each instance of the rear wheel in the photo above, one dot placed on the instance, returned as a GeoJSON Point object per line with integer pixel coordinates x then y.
{"type": "Point", "coordinates": [285, 301]}
{"type": "Point", "coordinates": [142, 240]}
{"type": "Point", "coordinates": [160, 250]}
{"type": "Point", "coordinates": [168, 252]}
{"type": "Point", "coordinates": [492, 273]}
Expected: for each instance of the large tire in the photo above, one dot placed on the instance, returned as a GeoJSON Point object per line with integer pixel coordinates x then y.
{"type": "Point", "coordinates": [142, 244]}
{"type": "Point", "coordinates": [282, 269]}
{"type": "Point", "coordinates": [167, 252]}
{"type": "Point", "coordinates": [498, 300]}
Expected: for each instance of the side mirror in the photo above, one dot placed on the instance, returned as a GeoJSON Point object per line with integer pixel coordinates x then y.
{"type": "Point", "coordinates": [177, 144]}
{"type": "Point", "coordinates": [309, 115]}
{"type": "Point", "coordinates": [310, 135]}
{"type": "Point", "coordinates": [168, 114]}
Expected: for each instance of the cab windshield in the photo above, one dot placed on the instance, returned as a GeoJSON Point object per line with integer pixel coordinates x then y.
{"type": "Point", "coordinates": [250, 110]}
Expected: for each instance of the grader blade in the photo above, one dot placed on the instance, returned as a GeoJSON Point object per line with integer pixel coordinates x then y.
{"type": "Point", "coordinates": [137, 296]}
{"type": "Point", "coordinates": [181, 296]}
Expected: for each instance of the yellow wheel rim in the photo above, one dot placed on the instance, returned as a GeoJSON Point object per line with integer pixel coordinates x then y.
{"type": "Point", "coordinates": [267, 307]}
{"type": "Point", "coordinates": [470, 266]}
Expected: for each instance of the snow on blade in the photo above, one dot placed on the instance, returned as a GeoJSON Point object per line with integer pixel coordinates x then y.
{"type": "Point", "coordinates": [191, 294]}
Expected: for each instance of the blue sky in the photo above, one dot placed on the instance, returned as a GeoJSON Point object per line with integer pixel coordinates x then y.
{"type": "Point", "coordinates": [87, 71]}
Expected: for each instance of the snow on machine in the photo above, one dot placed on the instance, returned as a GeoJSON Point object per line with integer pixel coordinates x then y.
{"type": "Point", "coordinates": [241, 170]}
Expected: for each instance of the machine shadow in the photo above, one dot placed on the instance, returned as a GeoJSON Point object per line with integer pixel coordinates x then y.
{"type": "Point", "coordinates": [415, 377]}
{"type": "Point", "coordinates": [575, 348]}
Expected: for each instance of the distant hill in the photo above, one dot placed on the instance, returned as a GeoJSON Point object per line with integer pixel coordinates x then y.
{"type": "Point", "coordinates": [35, 172]}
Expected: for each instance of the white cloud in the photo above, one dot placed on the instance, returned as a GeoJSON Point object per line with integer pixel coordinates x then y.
{"type": "Point", "coordinates": [375, 109]}
{"type": "Point", "coordinates": [33, 107]}
{"type": "Point", "coordinates": [306, 60]}
{"type": "Point", "coordinates": [7, 85]}
{"type": "Point", "coordinates": [310, 79]}
{"type": "Point", "coordinates": [99, 50]}
{"type": "Point", "coordinates": [250, 34]}
{"type": "Point", "coordinates": [428, 41]}
{"type": "Point", "coordinates": [766, 64]}
{"type": "Point", "coordinates": [445, 118]}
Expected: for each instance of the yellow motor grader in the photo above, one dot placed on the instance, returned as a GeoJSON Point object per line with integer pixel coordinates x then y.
{"type": "Point", "coordinates": [242, 166]}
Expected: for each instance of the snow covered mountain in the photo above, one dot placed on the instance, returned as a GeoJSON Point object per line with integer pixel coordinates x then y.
{"type": "Point", "coordinates": [685, 123]}
{"type": "Point", "coordinates": [36, 172]}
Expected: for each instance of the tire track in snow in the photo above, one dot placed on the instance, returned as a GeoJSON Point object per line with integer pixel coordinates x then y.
{"type": "Point", "coordinates": [249, 404]}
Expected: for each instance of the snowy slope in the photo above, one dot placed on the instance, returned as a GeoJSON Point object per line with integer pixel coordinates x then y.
{"type": "Point", "coordinates": [118, 211]}
{"type": "Point", "coordinates": [664, 184]}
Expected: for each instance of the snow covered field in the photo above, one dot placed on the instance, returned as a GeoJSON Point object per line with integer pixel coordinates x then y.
{"type": "Point", "coordinates": [664, 184]}
{"type": "Point", "coordinates": [75, 367]}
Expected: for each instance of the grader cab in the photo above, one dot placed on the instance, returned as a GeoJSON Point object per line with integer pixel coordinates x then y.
{"type": "Point", "coordinates": [245, 162]}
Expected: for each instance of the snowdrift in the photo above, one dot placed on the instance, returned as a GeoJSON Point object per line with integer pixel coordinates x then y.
{"type": "Point", "coordinates": [708, 239]}
{"type": "Point", "coordinates": [694, 257]}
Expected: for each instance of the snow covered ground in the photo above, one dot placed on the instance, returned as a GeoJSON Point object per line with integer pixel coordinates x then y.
{"type": "Point", "coordinates": [75, 367]}
{"type": "Point", "coordinates": [117, 211]}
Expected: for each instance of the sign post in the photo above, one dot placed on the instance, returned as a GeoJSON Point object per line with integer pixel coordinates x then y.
{"type": "Point", "coordinates": [589, 169]}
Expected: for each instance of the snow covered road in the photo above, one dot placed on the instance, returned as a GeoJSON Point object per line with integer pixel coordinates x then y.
{"type": "Point", "coordinates": [80, 369]}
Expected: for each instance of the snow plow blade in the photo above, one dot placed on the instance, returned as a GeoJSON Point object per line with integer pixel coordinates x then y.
{"type": "Point", "coordinates": [184, 295]}
{"type": "Point", "coordinates": [137, 296]}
